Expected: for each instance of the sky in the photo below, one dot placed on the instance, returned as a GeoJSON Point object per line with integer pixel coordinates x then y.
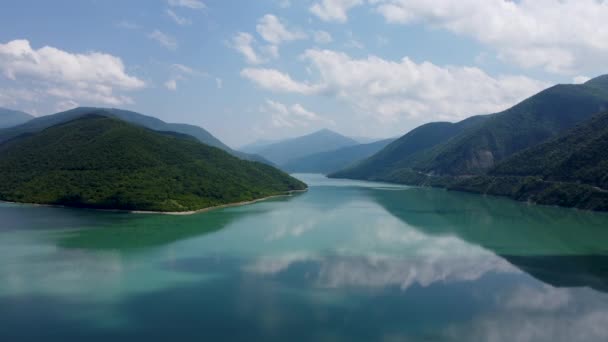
{"type": "Point", "coordinates": [269, 69]}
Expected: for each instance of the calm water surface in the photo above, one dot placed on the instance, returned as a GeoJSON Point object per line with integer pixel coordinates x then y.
{"type": "Point", "coordinates": [346, 261]}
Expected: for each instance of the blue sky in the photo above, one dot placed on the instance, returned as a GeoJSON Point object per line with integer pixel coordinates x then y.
{"type": "Point", "coordinates": [269, 69]}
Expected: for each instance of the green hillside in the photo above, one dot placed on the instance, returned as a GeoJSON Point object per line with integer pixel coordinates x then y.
{"type": "Point", "coordinates": [10, 118]}
{"type": "Point", "coordinates": [436, 150]}
{"type": "Point", "coordinates": [570, 170]}
{"type": "Point", "coordinates": [404, 150]}
{"type": "Point", "coordinates": [98, 161]}
{"type": "Point", "coordinates": [199, 133]}
{"type": "Point", "coordinates": [332, 161]}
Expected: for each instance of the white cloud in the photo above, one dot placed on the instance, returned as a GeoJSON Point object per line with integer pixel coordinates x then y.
{"type": "Point", "coordinates": [192, 4]}
{"type": "Point", "coordinates": [219, 83]}
{"type": "Point", "coordinates": [177, 19]}
{"type": "Point", "coordinates": [277, 81]}
{"type": "Point", "coordinates": [64, 105]}
{"type": "Point", "coordinates": [48, 71]}
{"type": "Point", "coordinates": [171, 84]}
{"type": "Point", "coordinates": [580, 79]}
{"type": "Point", "coordinates": [322, 37]}
{"type": "Point", "coordinates": [293, 116]}
{"type": "Point", "coordinates": [560, 36]}
{"type": "Point", "coordinates": [180, 72]}
{"type": "Point", "coordinates": [334, 10]}
{"type": "Point", "coordinates": [164, 39]}
{"type": "Point", "coordinates": [244, 43]}
{"type": "Point", "coordinates": [392, 90]}
{"type": "Point", "coordinates": [276, 32]}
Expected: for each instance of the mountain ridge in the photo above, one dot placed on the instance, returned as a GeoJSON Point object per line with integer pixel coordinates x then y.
{"type": "Point", "coordinates": [100, 162]}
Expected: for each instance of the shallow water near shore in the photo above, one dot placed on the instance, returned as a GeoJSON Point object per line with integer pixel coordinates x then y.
{"type": "Point", "coordinates": [345, 261]}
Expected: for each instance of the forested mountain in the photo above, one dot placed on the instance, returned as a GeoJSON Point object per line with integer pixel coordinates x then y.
{"type": "Point", "coordinates": [477, 144]}
{"type": "Point", "coordinates": [197, 132]}
{"type": "Point", "coordinates": [98, 161]}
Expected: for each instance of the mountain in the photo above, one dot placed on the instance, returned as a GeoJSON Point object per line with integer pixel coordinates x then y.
{"type": "Point", "coordinates": [10, 118]}
{"type": "Point", "coordinates": [322, 141]}
{"type": "Point", "coordinates": [487, 140]}
{"type": "Point", "coordinates": [399, 153]}
{"type": "Point", "coordinates": [257, 145]}
{"type": "Point", "coordinates": [332, 161]}
{"type": "Point", "coordinates": [199, 133]}
{"type": "Point", "coordinates": [98, 161]}
{"type": "Point", "coordinates": [570, 170]}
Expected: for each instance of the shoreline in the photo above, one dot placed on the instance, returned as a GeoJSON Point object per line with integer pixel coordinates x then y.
{"type": "Point", "coordinates": [170, 213]}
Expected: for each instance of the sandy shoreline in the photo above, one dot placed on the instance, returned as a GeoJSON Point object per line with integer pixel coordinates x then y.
{"type": "Point", "coordinates": [172, 213]}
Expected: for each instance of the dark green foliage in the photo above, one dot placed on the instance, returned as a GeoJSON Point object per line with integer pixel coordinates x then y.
{"type": "Point", "coordinates": [284, 151]}
{"type": "Point", "coordinates": [10, 118]}
{"type": "Point", "coordinates": [332, 161]}
{"type": "Point", "coordinates": [473, 147]}
{"type": "Point", "coordinates": [199, 133]}
{"type": "Point", "coordinates": [101, 162]}
{"type": "Point", "coordinates": [397, 155]}
{"type": "Point", "coordinates": [532, 152]}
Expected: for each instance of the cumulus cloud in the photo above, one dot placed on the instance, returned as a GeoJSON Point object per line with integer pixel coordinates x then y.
{"type": "Point", "coordinates": [334, 10]}
{"type": "Point", "coordinates": [177, 19]}
{"type": "Point", "coordinates": [392, 90]}
{"type": "Point", "coordinates": [559, 36]}
{"type": "Point", "coordinates": [48, 71]}
{"type": "Point", "coordinates": [163, 39]}
{"type": "Point", "coordinates": [277, 81]}
{"type": "Point", "coordinates": [192, 4]}
{"type": "Point", "coordinates": [274, 31]}
{"type": "Point", "coordinates": [291, 116]}
{"type": "Point", "coordinates": [245, 44]}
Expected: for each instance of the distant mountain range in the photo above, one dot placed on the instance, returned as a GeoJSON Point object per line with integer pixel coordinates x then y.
{"type": "Point", "coordinates": [462, 156]}
{"type": "Point", "coordinates": [10, 118]}
{"type": "Point", "coordinates": [282, 152]}
{"type": "Point", "coordinates": [40, 123]}
{"type": "Point", "coordinates": [332, 161]}
{"type": "Point", "coordinates": [95, 160]}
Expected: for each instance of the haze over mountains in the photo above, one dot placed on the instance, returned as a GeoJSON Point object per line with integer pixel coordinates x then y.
{"type": "Point", "coordinates": [10, 118]}
{"type": "Point", "coordinates": [335, 160]}
{"type": "Point", "coordinates": [96, 160]}
{"type": "Point", "coordinates": [447, 155]}
{"type": "Point", "coordinates": [287, 150]}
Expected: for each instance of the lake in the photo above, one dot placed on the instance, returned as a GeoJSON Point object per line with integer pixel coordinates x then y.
{"type": "Point", "coordinates": [345, 261]}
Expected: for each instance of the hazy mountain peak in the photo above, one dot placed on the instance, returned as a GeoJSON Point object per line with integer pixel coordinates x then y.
{"type": "Point", "coordinates": [11, 117]}
{"type": "Point", "coordinates": [600, 81]}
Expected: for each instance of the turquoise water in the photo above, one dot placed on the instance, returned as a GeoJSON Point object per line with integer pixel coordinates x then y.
{"type": "Point", "coordinates": [346, 261]}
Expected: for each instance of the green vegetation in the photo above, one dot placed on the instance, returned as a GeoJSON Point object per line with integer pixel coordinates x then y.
{"type": "Point", "coordinates": [97, 161]}
{"type": "Point", "coordinates": [38, 124]}
{"type": "Point", "coordinates": [332, 161]}
{"type": "Point", "coordinates": [532, 152]}
{"type": "Point", "coordinates": [10, 118]}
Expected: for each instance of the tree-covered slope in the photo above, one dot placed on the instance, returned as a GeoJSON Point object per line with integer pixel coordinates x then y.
{"type": "Point", "coordinates": [570, 170]}
{"type": "Point", "coordinates": [479, 147]}
{"type": "Point", "coordinates": [10, 118]}
{"type": "Point", "coordinates": [332, 161]}
{"type": "Point", "coordinates": [401, 152]}
{"type": "Point", "coordinates": [199, 133]}
{"type": "Point", "coordinates": [322, 141]}
{"type": "Point", "coordinates": [96, 161]}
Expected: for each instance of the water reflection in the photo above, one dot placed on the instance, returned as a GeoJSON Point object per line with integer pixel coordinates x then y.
{"type": "Point", "coordinates": [346, 261]}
